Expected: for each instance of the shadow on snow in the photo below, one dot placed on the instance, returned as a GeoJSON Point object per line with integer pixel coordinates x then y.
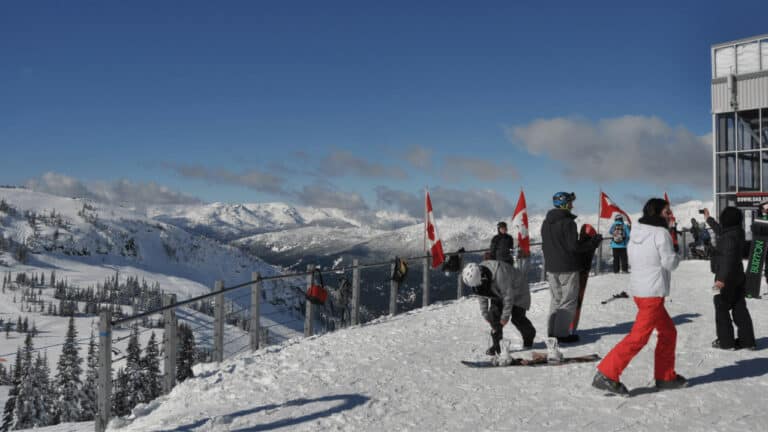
{"type": "Point", "coordinates": [348, 402]}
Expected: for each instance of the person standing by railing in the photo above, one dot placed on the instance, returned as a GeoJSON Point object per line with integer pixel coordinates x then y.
{"type": "Point", "coordinates": [563, 259]}
{"type": "Point", "coordinates": [502, 244]}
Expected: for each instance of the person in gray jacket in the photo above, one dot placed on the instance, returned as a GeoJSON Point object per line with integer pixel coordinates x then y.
{"type": "Point", "coordinates": [563, 260]}
{"type": "Point", "coordinates": [503, 296]}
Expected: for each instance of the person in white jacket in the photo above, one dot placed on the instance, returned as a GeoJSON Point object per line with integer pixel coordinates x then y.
{"type": "Point", "coordinates": [652, 258]}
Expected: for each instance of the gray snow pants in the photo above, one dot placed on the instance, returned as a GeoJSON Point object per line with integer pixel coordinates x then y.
{"type": "Point", "coordinates": [565, 295]}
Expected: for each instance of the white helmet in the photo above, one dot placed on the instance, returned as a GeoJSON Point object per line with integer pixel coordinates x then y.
{"type": "Point", "coordinates": [471, 275]}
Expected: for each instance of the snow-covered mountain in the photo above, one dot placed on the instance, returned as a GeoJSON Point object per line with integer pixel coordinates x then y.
{"type": "Point", "coordinates": [56, 229]}
{"type": "Point", "coordinates": [295, 235]}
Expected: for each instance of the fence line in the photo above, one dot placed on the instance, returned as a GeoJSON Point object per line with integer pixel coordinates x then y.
{"type": "Point", "coordinates": [260, 334]}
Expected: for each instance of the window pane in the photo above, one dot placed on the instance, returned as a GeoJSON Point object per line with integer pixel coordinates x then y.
{"type": "Point", "coordinates": [764, 53]}
{"type": "Point", "coordinates": [748, 130]}
{"type": "Point", "coordinates": [725, 131]}
{"type": "Point", "coordinates": [764, 129]}
{"type": "Point", "coordinates": [749, 171]}
{"type": "Point", "coordinates": [746, 58]}
{"type": "Point", "coordinates": [765, 170]}
{"type": "Point", "coordinates": [726, 173]}
{"type": "Point", "coordinates": [724, 62]}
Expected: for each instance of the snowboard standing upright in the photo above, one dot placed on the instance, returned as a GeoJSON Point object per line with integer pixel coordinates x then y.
{"type": "Point", "coordinates": [587, 232]}
{"type": "Point", "coordinates": [756, 258]}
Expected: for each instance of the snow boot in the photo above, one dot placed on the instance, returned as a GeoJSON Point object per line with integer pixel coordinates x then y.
{"type": "Point", "coordinates": [554, 355]}
{"type": "Point", "coordinates": [678, 382]}
{"type": "Point", "coordinates": [602, 382]}
{"type": "Point", "coordinates": [569, 339]}
{"type": "Point", "coordinates": [495, 349]}
{"type": "Point", "coordinates": [717, 344]}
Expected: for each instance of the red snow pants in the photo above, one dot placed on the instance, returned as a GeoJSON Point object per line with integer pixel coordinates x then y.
{"type": "Point", "coordinates": [651, 315]}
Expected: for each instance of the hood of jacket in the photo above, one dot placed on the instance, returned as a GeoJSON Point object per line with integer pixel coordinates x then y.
{"type": "Point", "coordinates": [557, 214]}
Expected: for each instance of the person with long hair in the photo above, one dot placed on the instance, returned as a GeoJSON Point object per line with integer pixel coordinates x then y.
{"type": "Point", "coordinates": [652, 258]}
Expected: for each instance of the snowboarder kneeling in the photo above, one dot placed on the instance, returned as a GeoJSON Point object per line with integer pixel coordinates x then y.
{"type": "Point", "coordinates": [504, 295]}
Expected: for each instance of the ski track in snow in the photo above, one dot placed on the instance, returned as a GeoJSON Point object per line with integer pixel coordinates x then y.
{"type": "Point", "coordinates": [404, 373]}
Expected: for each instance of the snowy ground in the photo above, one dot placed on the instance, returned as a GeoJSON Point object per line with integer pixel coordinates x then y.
{"type": "Point", "coordinates": [403, 373]}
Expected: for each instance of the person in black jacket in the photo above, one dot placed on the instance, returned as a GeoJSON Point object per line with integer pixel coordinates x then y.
{"type": "Point", "coordinates": [502, 244]}
{"type": "Point", "coordinates": [563, 260]}
{"type": "Point", "coordinates": [729, 300]}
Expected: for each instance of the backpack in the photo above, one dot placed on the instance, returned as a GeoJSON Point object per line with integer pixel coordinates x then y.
{"type": "Point", "coordinates": [453, 264]}
{"type": "Point", "coordinates": [618, 234]}
{"type": "Point", "coordinates": [316, 293]}
{"type": "Point", "coordinates": [401, 270]}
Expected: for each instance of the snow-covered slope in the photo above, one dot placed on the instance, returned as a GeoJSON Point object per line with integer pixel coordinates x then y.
{"type": "Point", "coordinates": [69, 232]}
{"type": "Point", "coordinates": [404, 373]}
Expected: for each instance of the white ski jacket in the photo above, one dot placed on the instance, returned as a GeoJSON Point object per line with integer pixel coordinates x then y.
{"type": "Point", "coordinates": [652, 259]}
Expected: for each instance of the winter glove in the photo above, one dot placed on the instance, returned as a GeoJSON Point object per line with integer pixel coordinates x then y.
{"type": "Point", "coordinates": [597, 239]}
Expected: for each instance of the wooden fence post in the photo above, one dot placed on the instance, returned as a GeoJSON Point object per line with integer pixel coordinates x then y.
{"type": "Point", "coordinates": [104, 388]}
{"type": "Point", "coordinates": [425, 283]}
{"type": "Point", "coordinates": [543, 268]}
{"type": "Point", "coordinates": [685, 246]}
{"type": "Point", "coordinates": [308, 305]}
{"type": "Point", "coordinates": [394, 287]}
{"type": "Point", "coordinates": [218, 327]}
{"type": "Point", "coordinates": [170, 337]}
{"type": "Point", "coordinates": [355, 292]}
{"type": "Point", "coordinates": [255, 324]}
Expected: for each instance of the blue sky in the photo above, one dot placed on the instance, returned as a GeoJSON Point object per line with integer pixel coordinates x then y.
{"type": "Point", "coordinates": [359, 105]}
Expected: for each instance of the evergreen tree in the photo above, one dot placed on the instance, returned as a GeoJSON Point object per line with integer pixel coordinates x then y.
{"type": "Point", "coordinates": [10, 403]}
{"type": "Point", "coordinates": [67, 385]}
{"type": "Point", "coordinates": [135, 391]}
{"type": "Point", "coordinates": [186, 356]}
{"type": "Point", "coordinates": [30, 409]}
{"type": "Point", "coordinates": [91, 381]}
{"type": "Point", "coordinates": [120, 394]}
{"type": "Point", "coordinates": [151, 367]}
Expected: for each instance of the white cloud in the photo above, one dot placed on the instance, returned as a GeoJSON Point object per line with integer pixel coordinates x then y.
{"type": "Point", "coordinates": [327, 197]}
{"type": "Point", "coordinates": [252, 179]}
{"type": "Point", "coordinates": [342, 163]}
{"type": "Point", "coordinates": [448, 202]}
{"type": "Point", "coordinates": [120, 191]}
{"type": "Point", "coordinates": [633, 148]}
{"type": "Point", "coordinates": [458, 168]}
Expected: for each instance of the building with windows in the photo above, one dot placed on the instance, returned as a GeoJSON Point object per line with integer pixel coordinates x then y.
{"type": "Point", "coordinates": [740, 123]}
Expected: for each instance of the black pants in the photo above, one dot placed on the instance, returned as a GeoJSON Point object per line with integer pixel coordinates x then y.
{"type": "Point", "coordinates": [730, 303]}
{"type": "Point", "coordinates": [518, 319]}
{"type": "Point", "coordinates": [620, 260]}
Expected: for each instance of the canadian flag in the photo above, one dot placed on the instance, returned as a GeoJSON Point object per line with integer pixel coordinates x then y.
{"type": "Point", "coordinates": [520, 221]}
{"type": "Point", "coordinates": [608, 208]}
{"type": "Point", "coordinates": [436, 246]}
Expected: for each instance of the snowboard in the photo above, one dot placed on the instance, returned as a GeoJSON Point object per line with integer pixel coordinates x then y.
{"type": "Point", "coordinates": [586, 233]}
{"type": "Point", "coordinates": [537, 359]}
{"type": "Point", "coordinates": [756, 258]}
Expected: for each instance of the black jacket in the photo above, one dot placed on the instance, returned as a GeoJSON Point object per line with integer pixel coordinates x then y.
{"type": "Point", "coordinates": [563, 252]}
{"type": "Point", "coordinates": [501, 247]}
{"type": "Point", "coordinates": [726, 262]}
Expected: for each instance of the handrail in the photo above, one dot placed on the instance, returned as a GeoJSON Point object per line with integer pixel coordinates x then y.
{"type": "Point", "coordinates": [285, 276]}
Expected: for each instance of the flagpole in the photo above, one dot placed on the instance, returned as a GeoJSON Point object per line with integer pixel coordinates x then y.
{"type": "Point", "coordinates": [599, 209]}
{"type": "Point", "coordinates": [426, 216]}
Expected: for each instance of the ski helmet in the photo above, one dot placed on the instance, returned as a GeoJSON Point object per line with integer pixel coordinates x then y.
{"type": "Point", "coordinates": [562, 199]}
{"type": "Point", "coordinates": [618, 217]}
{"type": "Point", "coordinates": [472, 275]}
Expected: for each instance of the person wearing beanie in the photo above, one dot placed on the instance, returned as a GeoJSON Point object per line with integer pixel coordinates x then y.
{"type": "Point", "coordinates": [730, 298]}
{"type": "Point", "coordinates": [563, 260]}
{"type": "Point", "coordinates": [502, 244]}
{"type": "Point", "coordinates": [653, 259]}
